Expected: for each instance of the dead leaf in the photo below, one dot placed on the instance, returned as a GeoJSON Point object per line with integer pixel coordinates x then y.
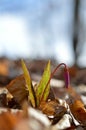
{"type": "Point", "coordinates": [18, 89]}
{"type": "Point", "coordinates": [53, 110]}
{"type": "Point", "coordinates": [9, 120]}
{"type": "Point", "coordinates": [79, 112]}
{"type": "Point", "coordinates": [4, 68]}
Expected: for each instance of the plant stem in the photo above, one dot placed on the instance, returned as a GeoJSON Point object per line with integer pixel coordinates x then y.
{"type": "Point", "coordinates": [66, 74]}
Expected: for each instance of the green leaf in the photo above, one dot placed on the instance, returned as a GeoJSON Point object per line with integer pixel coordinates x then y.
{"type": "Point", "coordinates": [29, 85]}
{"type": "Point", "coordinates": [43, 89]}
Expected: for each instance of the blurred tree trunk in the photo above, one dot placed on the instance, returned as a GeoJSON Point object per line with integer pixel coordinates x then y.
{"type": "Point", "coordinates": [75, 40]}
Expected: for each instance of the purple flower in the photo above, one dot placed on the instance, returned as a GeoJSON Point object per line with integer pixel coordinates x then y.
{"type": "Point", "coordinates": [67, 77]}
{"type": "Point", "coordinates": [66, 74]}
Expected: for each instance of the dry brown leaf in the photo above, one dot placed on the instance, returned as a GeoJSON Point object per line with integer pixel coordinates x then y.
{"type": "Point", "coordinates": [4, 70]}
{"type": "Point", "coordinates": [79, 112]}
{"type": "Point", "coordinates": [8, 120]}
{"type": "Point", "coordinates": [53, 110]}
{"type": "Point", "coordinates": [48, 108]}
{"type": "Point", "coordinates": [18, 89]}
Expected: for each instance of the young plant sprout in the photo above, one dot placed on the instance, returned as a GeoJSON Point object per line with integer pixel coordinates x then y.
{"type": "Point", "coordinates": [43, 88]}
{"type": "Point", "coordinates": [66, 75]}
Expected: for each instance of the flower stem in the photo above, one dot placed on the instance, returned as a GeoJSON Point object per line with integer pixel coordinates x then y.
{"type": "Point", "coordinates": [66, 74]}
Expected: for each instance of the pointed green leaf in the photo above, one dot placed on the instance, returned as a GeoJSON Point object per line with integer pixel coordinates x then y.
{"type": "Point", "coordinates": [43, 90]}
{"type": "Point", "coordinates": [29, 85]}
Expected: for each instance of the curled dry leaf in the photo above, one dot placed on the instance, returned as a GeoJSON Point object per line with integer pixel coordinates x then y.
{"type": "Point", "coordinates": [48, 108]}
{"type": "Point", "coordinates": [79, 111]}
{"type": "Point", "coordinates": [76, 106]}
{"type": "Point", "coordinates": [53, 110]}
{"type": "Point", "coordinates": [18, 89]}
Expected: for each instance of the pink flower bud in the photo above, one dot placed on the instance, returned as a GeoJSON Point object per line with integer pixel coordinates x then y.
{"type": "Point", "coordinates": [67, 77]}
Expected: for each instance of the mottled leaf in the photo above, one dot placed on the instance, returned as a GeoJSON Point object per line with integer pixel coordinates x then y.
{"type": "Point", "coordinates": [43, 89]}
{"type": "Point", "coordinates": [32, 96]}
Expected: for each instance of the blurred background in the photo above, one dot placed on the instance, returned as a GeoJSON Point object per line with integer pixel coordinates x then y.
{"type": "Point", "coordinates": [44, 29]}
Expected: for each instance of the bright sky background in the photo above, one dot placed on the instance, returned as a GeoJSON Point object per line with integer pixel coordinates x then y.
{"type": "Point", "coordinates": [36, 29]}
{"type": "Point", "coordinates": [13, 36]}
